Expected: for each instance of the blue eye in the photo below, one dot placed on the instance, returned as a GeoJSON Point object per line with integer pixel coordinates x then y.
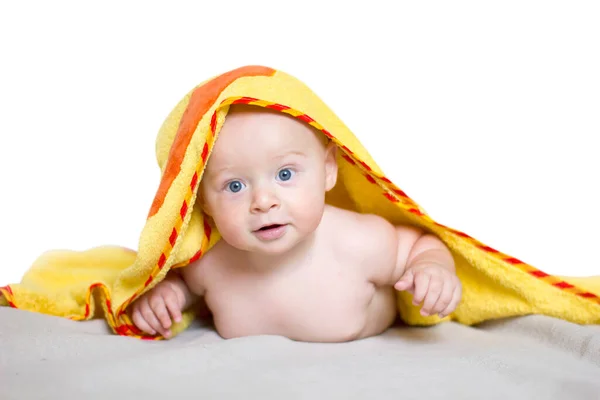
{"type": "Point", "coordinates": [285, 174]}
{"type": "Point", "coordinates": [235, 186]}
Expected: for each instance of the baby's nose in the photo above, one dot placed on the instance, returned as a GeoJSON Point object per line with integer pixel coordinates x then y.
{"type": "Point", "coordinates": [264, 200]}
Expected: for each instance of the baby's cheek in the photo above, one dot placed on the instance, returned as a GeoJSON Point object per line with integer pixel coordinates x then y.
{"type": "Point", "coordinates": [230, 228]}
{"type": "Point", "coordinates": [309, 209]}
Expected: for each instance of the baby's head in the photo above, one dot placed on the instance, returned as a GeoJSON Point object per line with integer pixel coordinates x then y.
{"type": "Point", "coordinates": [265, 182]}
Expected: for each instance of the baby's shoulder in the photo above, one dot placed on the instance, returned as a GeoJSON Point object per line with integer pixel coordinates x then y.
{"type": "Point", "coordinates": [213, 259]}
{"type": "Point", "coordinates": [359, 233]}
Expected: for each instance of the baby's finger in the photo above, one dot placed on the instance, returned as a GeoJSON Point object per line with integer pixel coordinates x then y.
{"type": "Point", "coordinates": [160, 310]}
{"type": "Point", "coordinates": [151, 319]}
{"type": "Point", "coordinates": [141, 323]}
{"type": "Point", "coordinates": [405, 283]}
{"type": "Point", "coordinates": [421, 287]}
{"type": "Point", "coordinates": [173, 307]}
{"type": "Point", "coordinates": [456, 296]}
{"type": "Point", "coordinates": [436, 286]}
{"type": "Point", "coordinates": [444, 299]}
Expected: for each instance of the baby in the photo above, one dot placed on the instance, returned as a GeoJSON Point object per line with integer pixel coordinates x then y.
{"type": "Point", "coordinates": [288, 264]}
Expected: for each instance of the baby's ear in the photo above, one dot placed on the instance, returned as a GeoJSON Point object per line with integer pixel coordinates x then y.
{"type": "Point", "coordinates": [331, 166]}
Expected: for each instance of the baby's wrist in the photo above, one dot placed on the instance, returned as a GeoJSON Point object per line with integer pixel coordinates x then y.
{"type": "Point", "coordinates": [433, 257]}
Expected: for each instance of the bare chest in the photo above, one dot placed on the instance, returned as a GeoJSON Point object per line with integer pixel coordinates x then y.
{"type": "Point", "coordinates": [324, 296]}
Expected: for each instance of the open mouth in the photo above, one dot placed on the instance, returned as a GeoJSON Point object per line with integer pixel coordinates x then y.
{"type": "Point", "coordinates": [270, 232]}
{"type": "Point", "coordinates": [269, 227]}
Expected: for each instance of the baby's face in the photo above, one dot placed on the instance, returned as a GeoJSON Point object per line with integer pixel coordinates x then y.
{"type": "Point", "coordinates": [265, 182]}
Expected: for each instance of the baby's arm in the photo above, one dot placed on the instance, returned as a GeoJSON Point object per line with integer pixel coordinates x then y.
{"type": "Point", "coordinates": [429, 274]}
{"type": "Point", "coordinates": [155, 310]}
{"type": "Point", "coordinates": [419, 263]}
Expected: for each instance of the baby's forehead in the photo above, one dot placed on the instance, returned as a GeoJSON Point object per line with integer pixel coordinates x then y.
{"type": "Point", "coordinates": [250, 133]}
{"type": "Point", "coordinates": [258, 125]}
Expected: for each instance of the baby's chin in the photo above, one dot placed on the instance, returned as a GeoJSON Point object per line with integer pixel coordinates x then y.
{"type": "Point", "coordinates": [276, 247]}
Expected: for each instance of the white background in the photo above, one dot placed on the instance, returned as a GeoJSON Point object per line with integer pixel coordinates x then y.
{"type": "Point", "coordinates": [486, 113]}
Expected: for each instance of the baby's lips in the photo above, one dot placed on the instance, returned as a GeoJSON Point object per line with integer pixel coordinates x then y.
{"type": "Point", "coordinates": [269, 225]}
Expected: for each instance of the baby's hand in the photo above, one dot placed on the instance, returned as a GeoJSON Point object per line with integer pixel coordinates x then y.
{"type": "Point", "coordinates": [438, 288]}
{"type": "Point", "coordinates": [153, 311]}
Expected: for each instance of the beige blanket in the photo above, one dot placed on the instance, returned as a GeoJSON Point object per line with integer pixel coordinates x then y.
{"type": "Point", "coordinates": [534, 357]}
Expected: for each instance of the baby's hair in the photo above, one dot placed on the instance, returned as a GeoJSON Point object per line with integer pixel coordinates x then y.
{"type": "Point", "coordinates": [325, 141]}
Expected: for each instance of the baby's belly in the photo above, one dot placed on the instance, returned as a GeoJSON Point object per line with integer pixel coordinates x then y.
{"type": "Point", "coordinates": [337, 315]}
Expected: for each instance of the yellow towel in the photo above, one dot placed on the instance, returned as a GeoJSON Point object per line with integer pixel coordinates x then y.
{"type": "Point", "coordinates": [74, 284]}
